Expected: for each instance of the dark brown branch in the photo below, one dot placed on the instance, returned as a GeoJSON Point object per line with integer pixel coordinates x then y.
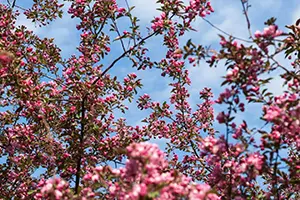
{"type": "Point", "coordinates": [13, 4]}
{"type": "Point", "coordinates": [82, 124]}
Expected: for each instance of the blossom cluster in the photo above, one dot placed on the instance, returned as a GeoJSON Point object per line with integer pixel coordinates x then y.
{"type": "Point", "coordinates": [58, 116]}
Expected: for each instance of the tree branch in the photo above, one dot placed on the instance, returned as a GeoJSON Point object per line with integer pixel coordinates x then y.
{"type": "Point", "coordinates": [245, 10]}
{"type": "Point", "coordinates": [82, 124]}
{"type": "Point", "coordinates": [226, 33]}
{"type": "Point", "coordinates": [123, 55]}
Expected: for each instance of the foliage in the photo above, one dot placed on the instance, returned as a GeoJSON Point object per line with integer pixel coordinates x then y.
{"type": "Point", "coordinates": [57, 114]}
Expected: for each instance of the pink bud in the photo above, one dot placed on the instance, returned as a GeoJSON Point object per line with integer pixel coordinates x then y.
{"type": "Point", "coordinates": [257, 34]}
{"type": "Point", "coordinates": [5, 58]}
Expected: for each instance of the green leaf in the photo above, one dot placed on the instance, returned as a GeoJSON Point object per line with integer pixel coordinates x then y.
{"type": "Point", "coordinates": [31, 192]}
{"type": "Point", "coordinates": [153, 194]}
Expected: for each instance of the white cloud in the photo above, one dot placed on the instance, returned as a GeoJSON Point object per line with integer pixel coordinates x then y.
{"type": "Point", "coordinates": [266, 4]}
{"type": "Point", "coordinates": [65, 33]}
{"type": "Point", "coordinates": [230, 19]}
{"type": "Point", "coordinates": [22, 20]}
{"type": "Point", "coordinates": [204, 76]}
{"type": "Point", "coordinates": [145, 9]}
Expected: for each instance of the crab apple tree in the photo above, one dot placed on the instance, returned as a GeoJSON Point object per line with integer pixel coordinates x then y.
{"type": "Point", "coordinates": [57, 113]}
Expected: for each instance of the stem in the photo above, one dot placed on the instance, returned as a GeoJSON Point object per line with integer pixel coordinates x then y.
{"type": "Point", "coordinates": [245, 10]}
{"type": "Point", "coordinates": [227, 145]}
{"type": "Point", "coordinates": [132, 24]}
{"type": "Point", "coordinates": [227, 122]}
{"type": "Point", "coordinates": [121, 40]}
{"type": "Point", "coordinates": [285, 69]}
{"type": "Point", "coordinates": [275, 185]}
{"type": "Point", "coordinates": [82, 124]}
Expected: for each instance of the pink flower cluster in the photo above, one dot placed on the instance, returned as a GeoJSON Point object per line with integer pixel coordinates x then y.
{"type": "Point", "coordinates": [37, 12]}
{"type": "Point", "coordinates": [284, 113]}
{"type": "Point", "coordinates": [65, 122]}
{"type": "Point", "coordinates": [160, 22]}
{"type": "Point", "coordinates": [147, 175]}
{"type": "Point", "coordinates": [54, 188]}
{"type": "Point", "coordinates": [199, 7]}
{"type": "Point", "coordinates": [269, 32]}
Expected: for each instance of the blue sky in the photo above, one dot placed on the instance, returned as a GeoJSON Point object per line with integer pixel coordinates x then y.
{"type": "Point", "coordinates": [228, 16]}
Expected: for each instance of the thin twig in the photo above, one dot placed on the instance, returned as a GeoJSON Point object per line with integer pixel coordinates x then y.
{"type": "Point", "coordinates": [281, 66]}
{"type": "Point", "coordinates": [121, 56]}
{"type": "Point", "coordinates": [132, 24]}
{"type": "Point", "coordinates": [286, 70]}
{"type": "Point", "coordinates": [13, 4]}
{"type": "Point", "coordinates": [122, 42]}
{"type": "Point", "coordinates": [53, 79]}
{"type": "Point", "coordinates": [226, 33]}
{"type": "Point", "coordinates": [245, 10]}
{"type": "Point", "coordinates": [24, 9]}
